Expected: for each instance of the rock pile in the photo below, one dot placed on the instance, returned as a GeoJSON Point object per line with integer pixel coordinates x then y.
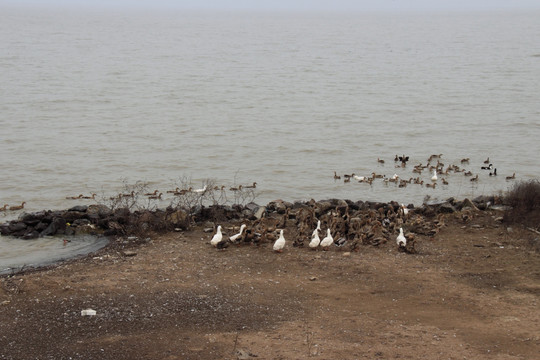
{"type": "Point", "coordinates": [100, 219]}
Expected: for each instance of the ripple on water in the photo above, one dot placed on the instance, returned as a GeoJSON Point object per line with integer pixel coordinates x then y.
{"type": "Point", "coordinates": [17, 253]}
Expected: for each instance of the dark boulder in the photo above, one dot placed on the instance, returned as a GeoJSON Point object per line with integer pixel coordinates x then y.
{"type": "Point", "coordinates": [72, 216]}
{"type": "Point", "coordinates": [252, 207]}
{"type": "Point", "coordinates": [98, 211]}
{"type": "Point", "coordinates": [446, 208]}
{"type": "Point", "coordinates": [122, 215]}
{"type": "Point", "coordinates": [57, 226]}
{"type": "Point", "coordinates": [32, 234]}
{"type": "Point", "coordinates": [353, 205]}
{"type": "Point", "coordinates": [31, 219]}
{"type": "Point", "coordinates": [466, 203]}
{"type": "Point", "coordinates": [41, 226]}
{"type": "Point", "coordinates": [79, 208]}
{"type": "Point", "coordinates": [16, 227]}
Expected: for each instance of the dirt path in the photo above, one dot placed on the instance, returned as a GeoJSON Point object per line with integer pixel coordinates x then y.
{"type": "Point", "coordinates": [471, 293]}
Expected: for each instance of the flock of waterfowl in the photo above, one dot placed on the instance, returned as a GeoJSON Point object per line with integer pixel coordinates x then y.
{"type": "Point", "coordinates": [7, 207]}
{"type": "Point", "coordinates": [155, 195]}
{"type": "Point", "coordinates": [438, 171]}
{"type": "Point", "coordinates": [158, 195]}
{"type": "Point", "coordinates": [341, 226]}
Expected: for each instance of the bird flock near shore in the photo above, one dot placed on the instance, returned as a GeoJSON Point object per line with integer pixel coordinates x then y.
{"type": "Point", "coordinates": [159, 195]}
{"type": "Point", "coordinates": [342, 226]}
{"type": "Point", "coordinates": [434, 166]}
{"type": "Point", "coordinates": [439, 172]}
{"type": "Point", "coordinates": [7, 207]}
{"type": "Point", "coordinates": [155, 195]}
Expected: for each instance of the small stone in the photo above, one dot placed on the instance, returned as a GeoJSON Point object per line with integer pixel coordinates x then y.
{"type": "Point", "coordinates": [347, 254]}
{"type": "Point", "coordinates": [88, 312]}
{"type": "Point", "coordinates": [313, 278]}
{"type": "Point", "coordinates": [129, 253]}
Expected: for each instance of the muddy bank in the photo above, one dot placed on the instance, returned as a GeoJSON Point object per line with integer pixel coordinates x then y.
{"type": "Point", "coordinates": [471, 292]}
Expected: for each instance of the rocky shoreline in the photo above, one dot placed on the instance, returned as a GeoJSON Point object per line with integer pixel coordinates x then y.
{"type": "Point", "coordinates": [102, 220]}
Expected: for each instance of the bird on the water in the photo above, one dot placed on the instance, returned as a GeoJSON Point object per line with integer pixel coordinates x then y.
{"type": "Point", "coordinates": [19, 207]}
{"type": "Point", "coordinates": [200, 191]}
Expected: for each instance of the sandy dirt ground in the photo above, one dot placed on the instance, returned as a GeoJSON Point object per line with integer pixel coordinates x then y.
{"type": "Point", "coordinates": [472, 292]}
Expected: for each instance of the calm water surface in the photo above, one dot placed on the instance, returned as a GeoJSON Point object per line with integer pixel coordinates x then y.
{"type": "Point", "coordinates": [16, 254]}
{"type": "Point", "coordinates": [90, 99]}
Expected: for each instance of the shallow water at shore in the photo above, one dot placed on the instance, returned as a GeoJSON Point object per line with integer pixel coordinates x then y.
{"type": "Point", "coordinates": [17, 254]}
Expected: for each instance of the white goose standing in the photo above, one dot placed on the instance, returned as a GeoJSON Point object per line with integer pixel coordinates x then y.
{"type": "Point", "coordinates": [217, 237]}
{"type": "Point", "coordinates": [401, 240]}
{"type": "Point", "coordinates": [327, 241]}
{"type": "Point", "coordinates": [315, 240]}
{"type": "Point", "coordinates": [237, 236]}
{"type": "Point", "coordinates": [280, 242]}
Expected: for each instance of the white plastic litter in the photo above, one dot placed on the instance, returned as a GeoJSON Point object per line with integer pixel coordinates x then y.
{"type": "Point", "coordinates": [88, 312]}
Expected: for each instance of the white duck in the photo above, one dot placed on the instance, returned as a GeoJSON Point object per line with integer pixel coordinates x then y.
{"type": "Point", "coordinates": [401, 240]}
{"type": "Point", "coordinates": [327, 241]}
{"type": "Point", "coordinates": [218, 236]}
{"type": "Point", "coordinates": [405, 210]}
{"type": "Point", "coordinates": [359, 178]}
{"type": "Point", "coordinates": [315, 240]}
{"type": "Point", "coordinates": [434, 177]}
{"type": "Point", "coordinates": [200, 191]}
{"type": "Point", "coordinates": [280, 242]}
{"type": "Point", "coordinates": [237, 236]}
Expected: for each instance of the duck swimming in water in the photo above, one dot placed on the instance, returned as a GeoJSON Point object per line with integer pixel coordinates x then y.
{"type": "Point", "coordinates": [15, 208]}
{"type": "Point", "coordinates": [200, 191]}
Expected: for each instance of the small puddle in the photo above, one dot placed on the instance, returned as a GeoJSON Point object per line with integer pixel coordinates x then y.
{"type": "Point", "coordinates": [16, 254]}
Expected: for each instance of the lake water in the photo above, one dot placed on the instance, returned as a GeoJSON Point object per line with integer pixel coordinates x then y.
{"type": "Point", "coordinates": [90, 99]}
{"type": "Point", "coordinates": [16, 254]}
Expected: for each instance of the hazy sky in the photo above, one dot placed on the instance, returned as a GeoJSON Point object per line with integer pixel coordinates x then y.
{"type": "Point", "coordinates": [325, 5]}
